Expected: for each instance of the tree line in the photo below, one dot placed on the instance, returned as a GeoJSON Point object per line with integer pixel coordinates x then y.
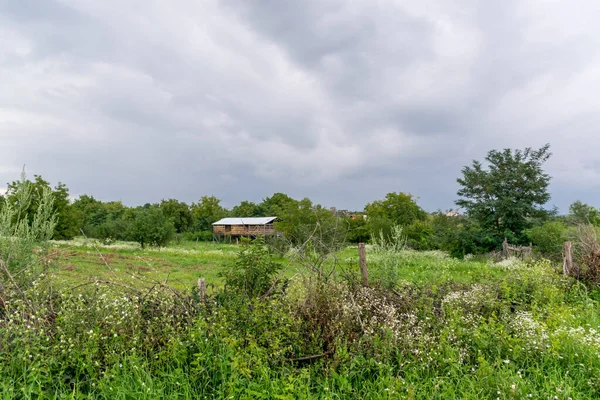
{"type": "Point", "coordinates": [502, 197]}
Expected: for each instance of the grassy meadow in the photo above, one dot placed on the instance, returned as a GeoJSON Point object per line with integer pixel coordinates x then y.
{"type": "Point", "coordinates": [428, 327]}
{"type": "Point", "coordinates": [82, 260]}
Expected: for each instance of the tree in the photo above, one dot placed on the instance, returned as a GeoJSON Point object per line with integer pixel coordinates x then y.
{"type": "Point", "coordinates": [581, 213]}
{"type": "Point", "coordinates": [179, 212]}
{"type": "Point", "coordinates": [396, 209]}
{"type": "Point", "coordinates": [103, 220]}
{"type": "Point", "coordinates": [247, 209]}
{"type": "Point", "coordinates": [278, 205]}
{"type": "Point", "coordinates": [151, 227]}
{"type": "Point", "coordinates": [70, 219]}
{"type": "Point", "coordinates": [505, 196]}
{"type": "Point", "coordinates": [207, 211]}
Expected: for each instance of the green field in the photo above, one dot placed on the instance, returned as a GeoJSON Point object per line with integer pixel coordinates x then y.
{"type": "Point", "coordinates": [78, 261]}
{"type": "Point", "coordinates": [180, 266]}
{"type": "Point", "coordinates": [429, 326]}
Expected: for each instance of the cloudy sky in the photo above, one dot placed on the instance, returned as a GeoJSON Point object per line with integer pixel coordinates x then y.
{"type": "Point", "coordinates": [338, 100]}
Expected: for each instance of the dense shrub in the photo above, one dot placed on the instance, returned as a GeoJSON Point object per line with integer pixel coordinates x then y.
{"type": "Point", "coordinates": [254, 273]}
{"type": "Point", "coordinates": [204, 236]}
{"type": "Point", "coordinates": [151, 227]}
{"type": "Point", "coordinates": [548, 239]}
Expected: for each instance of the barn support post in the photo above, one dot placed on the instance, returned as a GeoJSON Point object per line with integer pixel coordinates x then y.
{"type": "Point", "coordinates": [362, 258]}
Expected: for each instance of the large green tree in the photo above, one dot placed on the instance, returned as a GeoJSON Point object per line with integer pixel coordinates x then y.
{"type": "Point", "coordinates": [151, 227]}
{"type": "Point", "coordinates": [504, 195]}
{"type": "Point", "coordinates": [397, 208]}
{"type": "Point", "coordinates": [179, 212]}
{"type": "Point", "coordinates": [206, 211]}
{"type": "Point", "coordinates": [247, 209]}
{"type": "Point", "coordinates": [278, 205]}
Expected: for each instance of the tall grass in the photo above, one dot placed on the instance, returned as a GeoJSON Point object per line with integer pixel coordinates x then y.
{"type": "Point", "coordinates": [429, 326]}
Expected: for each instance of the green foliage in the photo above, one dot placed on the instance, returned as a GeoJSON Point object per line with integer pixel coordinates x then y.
{"type": "Point", "coordinates": [254, 273]}
{"type": "Point", "coordinates": [102, 220]}
{"type": "Point", "coordinates": [581, 213]}
{"type": "Point", "coordinates": [397, 208]}
{"type": "Point", "coordinates": [393, 243]}
{"type": "Point", "coordinates": [439, 328]}
{"type": "Point", "coordinates": [505, 195]}
{"type": "Point", "coordinates": [278, 205]}
{"type": "Point", "coordinates": [204, 236]}
{"type": "Point", "coordinates": [23, 227]}
{"type": "Point", "coordinates": [247, 209]}
{"type": "Point", "coordinates": [302, 221]}
{"type": "Point", "coordinates": [69, 219]}
{"type": "Point", "coordinates": [473, 239]}
{"type": "Point", "coordinates": [207, 211]}
{"type": "Point", "coordinates": [178, 212]}
{"type": "Point", "coordinates": [151, 227]}
{"type": "Point", "coordinates": [548, 238]}
{"type": "Point", "coordinates": [420, 235]}
{"type": "Point", "coordinates": [358, 230]}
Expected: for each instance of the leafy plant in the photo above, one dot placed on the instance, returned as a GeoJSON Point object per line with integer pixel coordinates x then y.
{"type": "Point", "coordinates": [151, 227]}
{"type": "Point", "coordinates": [24, 227]}
{"type": "Point", "coordinates": [548, 238]}
{"type": "Point", "coordinates": [254, 274]}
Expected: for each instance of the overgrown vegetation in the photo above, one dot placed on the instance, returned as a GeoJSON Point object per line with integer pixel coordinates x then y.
{"type": "Point", "coordinates": [438, 328]}
{"type": "Point", "coordinates": [289, 317]}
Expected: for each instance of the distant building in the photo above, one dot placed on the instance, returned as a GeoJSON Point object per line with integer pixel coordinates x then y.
{"type": "Point", "coordinates": [452, 213]}
{"type": "Point", "coordinates": [347, 214]}
{"type": "Point", "coordinates": [244, 226]}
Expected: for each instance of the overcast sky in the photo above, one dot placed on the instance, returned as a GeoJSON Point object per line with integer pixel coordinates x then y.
{"type": "Point", "coordinates": [341, 101]}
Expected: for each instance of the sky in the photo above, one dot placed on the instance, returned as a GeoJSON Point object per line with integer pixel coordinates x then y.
{"type": "Point", "coordinates": [341, 101]}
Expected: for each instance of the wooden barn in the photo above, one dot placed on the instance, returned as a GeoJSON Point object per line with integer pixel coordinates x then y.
{"type": "Point", "coordinates": [244, 226]}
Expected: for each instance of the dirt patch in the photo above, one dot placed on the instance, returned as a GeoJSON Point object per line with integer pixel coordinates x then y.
{"type": "Point", "coordinates": [138, 268]}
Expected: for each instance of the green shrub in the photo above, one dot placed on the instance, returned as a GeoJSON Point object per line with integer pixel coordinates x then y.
{"type": "Point", "coordinates": [21, 233]}
{"type": "Point", "coordinates": [151, 227]}
{"type": "Point", "coordinates": [254, 273]}
{"type": "Point", "coordinates": [203, 236]}
{"type": "Point", "coordinates": [548, 239]}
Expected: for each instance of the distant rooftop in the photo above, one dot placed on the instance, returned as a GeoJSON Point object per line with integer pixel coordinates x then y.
{"type": "Point", "coordinates": [245, 221]}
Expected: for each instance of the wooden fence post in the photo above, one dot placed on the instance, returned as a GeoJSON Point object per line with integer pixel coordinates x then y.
{"type": "Point", "coordinates": [362, 258]}
{"type": "Point", "coordinates": [202, 289]}
{"type": "Point", "coordinates": [567, 259]}
{"type": "Point", "coordinates": [505, 253]}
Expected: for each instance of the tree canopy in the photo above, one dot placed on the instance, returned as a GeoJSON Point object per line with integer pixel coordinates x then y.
{"type": "Point", "coordinates": [581, 213]}
{"type": "Point", "coordinates": [398, 208]}
{"type": "Point", "coordinates": [151, 227]}
{"type": "Point", "coordinates": [504, 196]}
{"type": "Point", "coordinates": [179, 212]}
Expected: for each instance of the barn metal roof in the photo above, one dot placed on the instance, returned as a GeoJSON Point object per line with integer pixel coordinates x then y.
{"type": "Point", "coordinates": [245, 221]}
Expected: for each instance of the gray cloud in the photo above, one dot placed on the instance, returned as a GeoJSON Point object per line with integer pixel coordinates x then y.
{"type": "Point", "coordinates": [339, 101]}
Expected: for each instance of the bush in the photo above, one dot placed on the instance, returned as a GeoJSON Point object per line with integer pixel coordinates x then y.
{"type": "Point", "coordinates": [203, 236]}
{"type": "Point", "coordinates": [254, 273]}
{"type": "Point", "coordinates": [420, 235]}
{"type": "Point", "coordinates": [548, 239]}
{"type": "Point", "coordinates": [151, 227]}
{"type": "Point", "coordinates": [19, 235]}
